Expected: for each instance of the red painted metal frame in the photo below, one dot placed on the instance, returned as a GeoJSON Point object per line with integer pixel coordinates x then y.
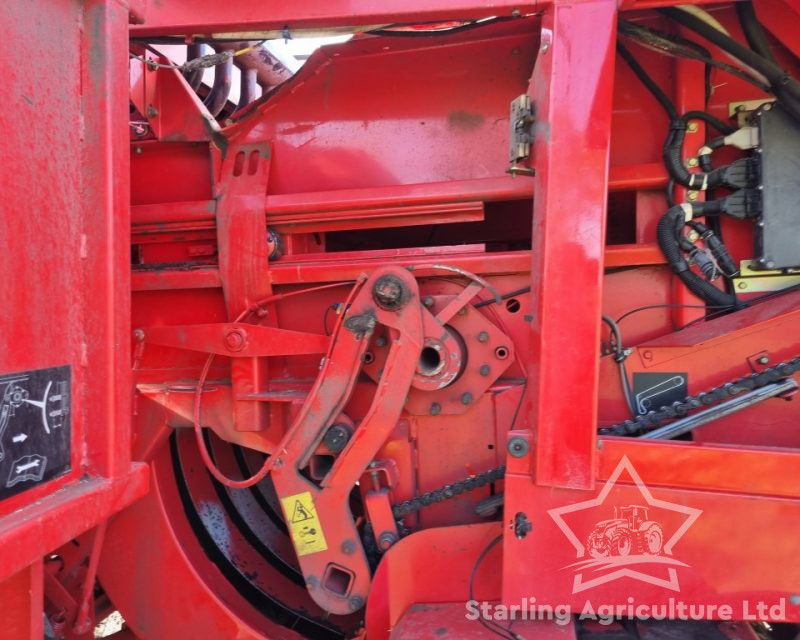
{"type": "Point", "coordinates": [375, 176]}
{"type": "Point", "coordinates": [65, 273]}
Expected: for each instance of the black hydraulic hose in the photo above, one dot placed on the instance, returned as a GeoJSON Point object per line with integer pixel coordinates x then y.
{"type": "Point", "coordinates": [753, 30]}
{"type": "Point", "coordinates": [218, 96]}
{"type": "Point", "coordinates": [195, 77]}
{"type": "Point", "coordinates": [785, 88]}
{"type": "Point", "coordinates": [647, 81]}
{"type": "Point", "coordinates": [668, 231]}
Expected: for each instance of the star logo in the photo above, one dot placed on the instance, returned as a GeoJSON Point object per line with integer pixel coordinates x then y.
{"type": "Point", "coordinates": [631, 538]}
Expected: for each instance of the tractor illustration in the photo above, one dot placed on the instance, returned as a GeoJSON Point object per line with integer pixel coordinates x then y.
{"type": "Point", "coordinates": [629, 532]}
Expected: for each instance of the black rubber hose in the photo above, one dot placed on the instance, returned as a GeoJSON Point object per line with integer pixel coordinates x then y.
{"type": "Point", "coordinates": [753, 31]}
{"type": "Point", "coordinates": [218, 96]}
{"type": "Point", "coordinates": [669, 228]}
{"type": "Point", "coordinates": [785, 88]}
{"type": "Point", "coordinates": [194, 78]}
{"type": "Point", "coordinates": [647, 81]}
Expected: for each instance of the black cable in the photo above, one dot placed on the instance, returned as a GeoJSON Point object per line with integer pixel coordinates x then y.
{"type": "Point", "coordinates": [753, 31]}
{"type": "Point", "coordinates": [668, 233]}
{"type": "Point", "coordinates": [785, 88]}
{"type": "Point", "coordinates": [648, 82]}
{"type": "Point", "coordinates": [672, 45]}
{"type": "Point", "coordinates": [397, 29]}
{"type": "Point", "coordinates": [664, 306]}
{"type": "Point", "coordinates": [505, 296]}
{"type": "Point", "coordinates": [619, 357]}
{"type": "Point", "coordinates": [490, 625]}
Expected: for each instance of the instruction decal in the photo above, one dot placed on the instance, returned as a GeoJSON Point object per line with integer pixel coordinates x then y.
{"type": "Point", "coordinates": [651, 391]}
{"type": "Point", "coordinates": [304, 526]}
{"type": "Point", "coordinates": [35, 434]}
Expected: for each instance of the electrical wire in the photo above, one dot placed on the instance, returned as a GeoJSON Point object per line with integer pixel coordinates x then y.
{"type": "Point", "coordinates": [620, 354]}
{"type": "Point", "coordinates": [668, 306]}
{"type": "Point", "coordinates": [648, 82]}
{"type": "Point", "coordinates": [490, 625]}
{"type": "Point", "coordinates": [505, 296]}
{"type": "Point", "coordinates": [259, 475]}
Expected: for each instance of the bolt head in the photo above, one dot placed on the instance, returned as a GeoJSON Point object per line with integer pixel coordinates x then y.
{"type": "Point", "coordinates": [389, 292]}
{"type": "Point", "coordinates": [355, 603]}
{"type": "Point", "coordinates": [235, 339]}
{"type": "Point", "coordinates": [485, 370]}
{"type": "Point", "coordinates": [386, 540]}
{"type": "Point", "coordinates": [763, 360]}
{"type": "Point", "coordinates": [466, 397]}
{"type": "Point", "coordinates": [336, 437]}
{"type": "Point", "coordinates": [483, 336]}
{"type": "Point", "coordinates": [435, 409]}
{"type": "Point", "coordinates": [518, 447]}
{"type": "Point", "coordinates": [348, 547]}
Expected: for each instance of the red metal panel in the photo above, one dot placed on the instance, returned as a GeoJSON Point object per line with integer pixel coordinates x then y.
{"type": "Point", "coordinates": [571, 91]}
{"type": "Point", "coordinates": [65, 263]}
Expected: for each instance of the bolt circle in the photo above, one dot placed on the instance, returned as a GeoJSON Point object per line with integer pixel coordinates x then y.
{"type": "Point", "coordinates": [518, 447]}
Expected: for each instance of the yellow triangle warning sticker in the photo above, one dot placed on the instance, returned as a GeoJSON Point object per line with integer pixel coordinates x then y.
{"type": "Point", "coordinates": [300, 513]}
{"type": "Point", "coordinates": [304, 526]}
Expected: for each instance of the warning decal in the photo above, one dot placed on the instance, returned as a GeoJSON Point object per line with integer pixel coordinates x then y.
{"type": "Point", "coordinates": [304, 526]}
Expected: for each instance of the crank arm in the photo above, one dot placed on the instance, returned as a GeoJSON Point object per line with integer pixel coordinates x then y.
{"type": "Point", "coordinates": [318, 516]}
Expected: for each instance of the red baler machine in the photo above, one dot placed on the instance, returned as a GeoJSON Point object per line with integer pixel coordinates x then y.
{"type": "Point", "coordinates": [481, 321]}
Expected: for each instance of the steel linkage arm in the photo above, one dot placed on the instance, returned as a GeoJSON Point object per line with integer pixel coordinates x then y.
{"type": "Point", "coordinates": [318, 514]}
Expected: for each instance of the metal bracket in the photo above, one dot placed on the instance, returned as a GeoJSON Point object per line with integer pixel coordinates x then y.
{"type": "Point", "coordinates": [521, 122]}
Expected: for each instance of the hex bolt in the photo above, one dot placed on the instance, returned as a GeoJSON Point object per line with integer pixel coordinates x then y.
{"type": "Point", "coordinates": [336, 437]}
{"type": "Point", "coordinates": [692, 128]}
{"type": "Point", "coordinates": [389, 292]}
{"type": "Point", "coordinates": [152, 112]}
{"type": "Point", "coordinates": [795, 599]}
{"type": "Point", "coordinates": [763, 360]}
{"type": "Point", "coordinates": [483, 336]}
{"type": "Point", "coordinates": [380, 341]}
{"type": "Point", "coordinates": [692, 162]}
{"type": "Point", "coordinates": [518, 447]}
{"type": "Point", "coordinates": [485, 369]}
{"type": "Point", "coordinates": [742, 285]}
{"type": "Point", "coordinates": [348, 547]}
{"type": "Point", "coordinates": [235, 339]}
{"type": "Point", "coordinates": [435, 409]}
{"type": "Point", "coordinates": [138, 335]}
{"type": "Point", "coordinates": [355, 603]}
{"type": "Point", "coordinates": [427, 301]}
{"type": "Point", "coordinates": [386, 540]}
{"type": "Point", "coordinates": [466, 397]}
{"type": "Point", "coordinates": [692, 195]}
